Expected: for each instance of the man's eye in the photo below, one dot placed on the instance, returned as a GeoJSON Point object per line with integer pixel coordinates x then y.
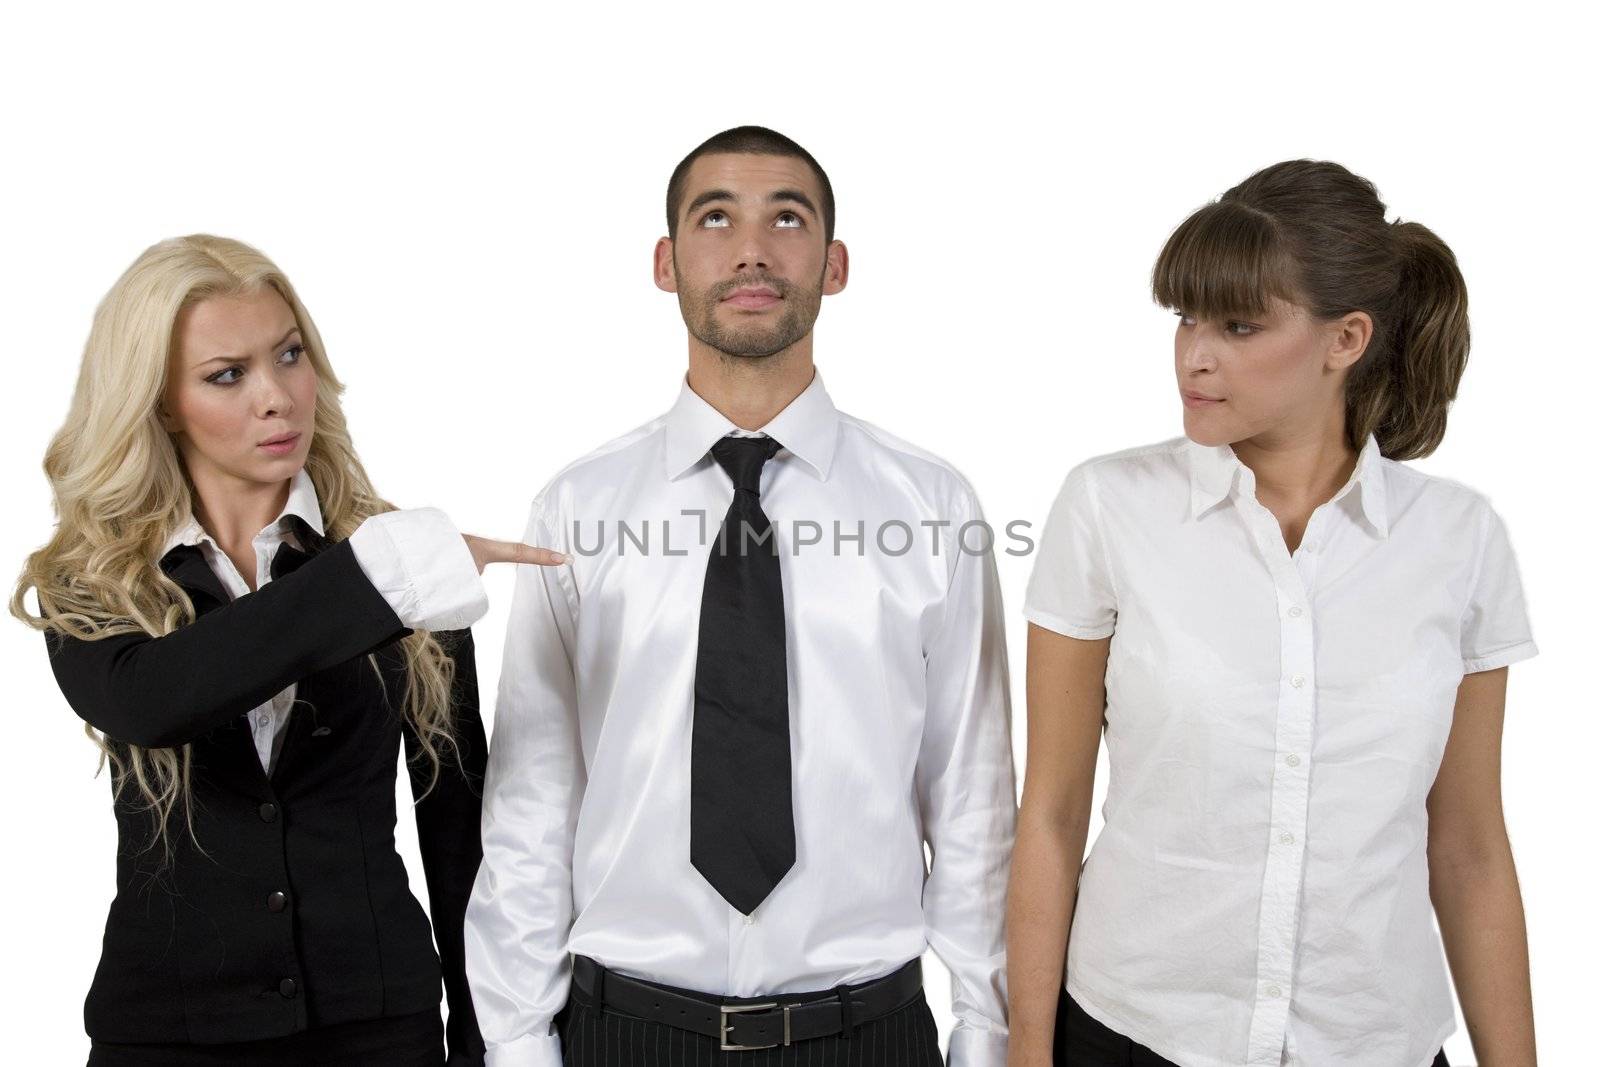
{"type": "Point", "coordinates": [714, 219]}
{"type": "Point", "coordinates": [790, 219]}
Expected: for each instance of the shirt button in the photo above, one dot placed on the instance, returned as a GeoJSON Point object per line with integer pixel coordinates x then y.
{"type": "Point", "coordinates": [1292, 760]}
{"type": "Point", "coordinates": [1295, 612]}
{"type": "Point", "coordinates": [749, 920]}
{"type": "Point", "coordinates": [1286, 837]}
{"type": "Point", "coordinates": [1273, 991]}
{"type": "Point", "coordinates": [277, 902]}
{"type": "Point", "coordinates": [288, 988]}
{"type": "Point", "coordinates": [1298, 680]}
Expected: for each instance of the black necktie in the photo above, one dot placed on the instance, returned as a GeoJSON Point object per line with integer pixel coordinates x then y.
{"type": "Point", "coordinates": [741, 817]}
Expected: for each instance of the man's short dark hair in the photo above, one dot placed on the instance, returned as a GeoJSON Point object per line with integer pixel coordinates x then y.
{"type": "Point", "coordinates": [747, 140]}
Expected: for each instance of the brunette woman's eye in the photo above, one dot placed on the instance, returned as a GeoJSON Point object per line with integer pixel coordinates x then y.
{"type": "Point", "coordinates": [1242, 329]}
{"type": "Point", "coordinates": [1184, 320]}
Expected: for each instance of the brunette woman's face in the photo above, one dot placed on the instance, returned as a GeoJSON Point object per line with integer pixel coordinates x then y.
{"type": "Point", "coordinates": [241, 392]}
{"type": "Point", "coordinates": [1281, 370]}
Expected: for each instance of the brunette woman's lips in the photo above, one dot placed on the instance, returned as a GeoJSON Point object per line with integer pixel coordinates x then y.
{"type": "Point", "coordinates": [752, 299]}
{"type": "Point", "coordinates": [1199, 400]}
{"type": "Point", "coordinates": [281, 445]}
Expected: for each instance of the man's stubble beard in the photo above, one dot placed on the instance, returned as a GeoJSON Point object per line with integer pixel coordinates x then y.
{"type": "Point", "coordinates": [800, 309]}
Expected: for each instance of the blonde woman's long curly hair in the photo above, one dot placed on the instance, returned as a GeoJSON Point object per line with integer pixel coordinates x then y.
{"type": "Point", "coordinates": [120, 490]}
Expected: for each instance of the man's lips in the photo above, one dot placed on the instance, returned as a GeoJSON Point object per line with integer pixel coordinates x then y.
{"type": "Point", "coordinates": [1199, 400]}
{"type": "Point", "coordinates": [752, 298]}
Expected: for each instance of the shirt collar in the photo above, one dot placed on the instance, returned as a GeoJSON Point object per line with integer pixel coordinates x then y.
{"type": "Point", "coordinates": [302, 504]}
{"type": "Point", "coordinates": [807, 427]}
{"type": "Point", "coordinates": [1214, 469]}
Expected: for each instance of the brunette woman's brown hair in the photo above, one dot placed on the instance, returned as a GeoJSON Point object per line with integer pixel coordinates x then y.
{"type": "Point", "coordinates": [1314, 234]}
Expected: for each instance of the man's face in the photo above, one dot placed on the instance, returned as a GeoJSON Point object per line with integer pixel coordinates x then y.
{"type": "Point", "coordinates": [750, 263]}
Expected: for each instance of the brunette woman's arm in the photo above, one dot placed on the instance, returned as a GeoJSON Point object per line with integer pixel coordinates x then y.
{"type": "Point", "coordinates": [1066, 707]}
{"type": "Point", "coordinates": [1473, 879]}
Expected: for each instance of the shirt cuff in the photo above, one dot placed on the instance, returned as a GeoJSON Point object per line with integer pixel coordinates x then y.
{"type": "Point", "coordinates": [977, 1048]}
{"type": "Point", "coordinates": [535, 1050]}
{"type": "Point", "coordinates": [419, 562]}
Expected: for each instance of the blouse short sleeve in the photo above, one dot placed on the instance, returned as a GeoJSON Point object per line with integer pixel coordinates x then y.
{"type": "Point", "coordinates": [1494, 627]}
{"type": "Point", "coordinates": [1070, 590]}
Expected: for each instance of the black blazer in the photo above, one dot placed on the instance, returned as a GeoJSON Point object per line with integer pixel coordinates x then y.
{"type": "Point", "coordinates": [294, 911]}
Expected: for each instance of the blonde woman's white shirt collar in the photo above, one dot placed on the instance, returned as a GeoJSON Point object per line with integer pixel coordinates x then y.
{"type": "Point", "coordinates": [1274, 722]}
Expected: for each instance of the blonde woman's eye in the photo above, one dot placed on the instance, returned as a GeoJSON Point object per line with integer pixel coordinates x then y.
{"type": "Point", "coordinates": [790, 219]}
{"type": "Point", "coordinates": [292, 354]}
{"type": "Point", "coordinates": [714, 219]}
{"type": "Point", "coordinates": [222, 376]}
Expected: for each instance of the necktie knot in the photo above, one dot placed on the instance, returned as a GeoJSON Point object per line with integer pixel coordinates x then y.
{"type": "Point", "coordinates": [743, 458]}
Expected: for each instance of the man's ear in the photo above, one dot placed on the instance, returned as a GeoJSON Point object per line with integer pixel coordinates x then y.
{"type": "Point", "coordinates": [836, 271]}
{"type": "Point", "coordinates": [666, 273]}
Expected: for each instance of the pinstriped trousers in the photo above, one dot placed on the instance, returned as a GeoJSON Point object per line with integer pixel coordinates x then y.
{"type": "Point", "coordinates": [904, 1038]}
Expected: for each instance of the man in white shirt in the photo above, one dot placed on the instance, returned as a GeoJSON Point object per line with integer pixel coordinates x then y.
{"type": "Point", "coordinates": [774, 670]}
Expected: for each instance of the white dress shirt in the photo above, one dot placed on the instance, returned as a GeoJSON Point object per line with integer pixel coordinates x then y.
{"type": "Point", "coordinates": [1274, 722]}
{"type": "Point", "coordinates": [899, 731]}
{"type": "Point", "coordinates": [416, 559]}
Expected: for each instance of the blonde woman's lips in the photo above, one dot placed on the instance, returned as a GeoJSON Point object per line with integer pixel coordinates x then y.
{"type": "Point", "coordinates": [281, 445]}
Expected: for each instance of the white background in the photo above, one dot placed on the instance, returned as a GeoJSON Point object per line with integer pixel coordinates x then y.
{"type": "Point", "coordinates": [467, 203]}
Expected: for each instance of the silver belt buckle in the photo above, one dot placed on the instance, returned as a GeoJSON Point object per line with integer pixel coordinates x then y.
{"type": "Point", "coordinates": [736, 1009]}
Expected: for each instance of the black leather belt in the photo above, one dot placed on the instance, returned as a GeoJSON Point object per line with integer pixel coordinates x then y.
{"type": "Point", "coordinates": [740, 1023]}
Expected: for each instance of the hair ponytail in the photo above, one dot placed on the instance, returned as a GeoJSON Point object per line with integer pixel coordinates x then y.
{"type": "Point", "coordinates": [1407, 395]}
{"type": "Point", "coordinates": [1314, 234]}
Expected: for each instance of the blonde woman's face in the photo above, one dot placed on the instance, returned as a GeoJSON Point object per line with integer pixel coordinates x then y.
{"type": "Point", "coordinates": [241, 391]}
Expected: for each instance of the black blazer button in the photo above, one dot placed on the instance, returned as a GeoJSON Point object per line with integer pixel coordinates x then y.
{"type": "Point", "coordinates": [276, 903]}
{"type": "Point", "coordinates": [268, 812]}
{"type": "Point", "coordinates": [288, 988]}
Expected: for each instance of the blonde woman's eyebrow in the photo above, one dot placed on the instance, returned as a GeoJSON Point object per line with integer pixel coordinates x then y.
{"type": "Point", "coordinates": [240, 359]}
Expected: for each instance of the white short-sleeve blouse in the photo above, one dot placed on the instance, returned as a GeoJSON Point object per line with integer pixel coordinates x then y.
{"type": "Point", "coordinates": [1274, 722]}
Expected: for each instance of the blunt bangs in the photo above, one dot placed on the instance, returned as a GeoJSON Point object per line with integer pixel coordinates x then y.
{"type": "Point", "coordinates": [1225, 261]}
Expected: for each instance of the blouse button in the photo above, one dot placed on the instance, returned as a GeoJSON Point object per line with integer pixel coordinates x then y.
{"type": "Point", "coordinates": [1292, 760]}
{"type": "Point", "coordinates": [1286, 837]}
{"type": "Point", "coordinates": [288, 988]}
{"type": "Point", "coordinates": [1298, 680]}
{"type": "Point", "coordinates": [1273, 991]}
{"type": "Point", "coordinates": [276, 902]}
{"type": "Point", "coordinates": [268, 812]}
{"type": "Point", "coordinates": [1295, 612]}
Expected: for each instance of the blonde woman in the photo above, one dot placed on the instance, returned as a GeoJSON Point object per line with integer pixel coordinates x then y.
{"type": "Point", "coordinates": [1296, 647]}
{"type": "Point", "coordinates": [250, 634]}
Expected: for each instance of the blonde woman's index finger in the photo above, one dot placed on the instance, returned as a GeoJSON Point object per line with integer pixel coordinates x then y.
{"type": "Point", "coordinates": [517, 552]}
